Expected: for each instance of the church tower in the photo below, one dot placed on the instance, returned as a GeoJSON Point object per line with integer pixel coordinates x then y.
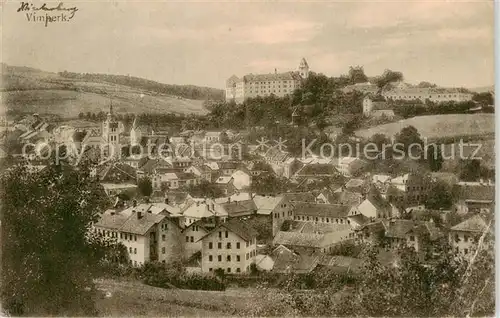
{"type": "Point", "coordinates": [111, 133]}
{"type": "Point", "coordinates": [303, 69]}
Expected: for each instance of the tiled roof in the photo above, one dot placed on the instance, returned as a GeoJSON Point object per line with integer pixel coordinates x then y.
{"type": "Point", "coordinates": [322, 210]}
{"type": "Point", "coordinates": [240, 228]}
{"type": "Point", "coordinates": [130, 224]}
{"type": "Point", "coordinates": [239, 208]}
{"type": "Point", "coordinates": [361, 219]}
{"type": "Point", "coordinates": [343, 262]}
{"type": "Point", "coordinates": [473, 224]}
{"type": "Point", "coordinates": [300, 197]}
{"type": "Point", "coordinates": [318, 170]}
{"type": "Point", "coordinates": [266, 204]}
{"type": "Point", "coordinates": [479, 193]}
{"type": "Point", "coordinates": [141, 226]}
{"type": "Point", "coordinates": [272, 77]}
{"type": "Point", "coordinates": [288, 261]}
{"type": "Point", "coordinates": [310, 239]}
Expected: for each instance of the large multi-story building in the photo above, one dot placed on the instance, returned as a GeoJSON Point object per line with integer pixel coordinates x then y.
{"type": "Point", "coordinates": [231, 246]}
{"type": "Point", "coordinates": [253, 85]}
{"type": "Point", "coordinates": [436, 95]}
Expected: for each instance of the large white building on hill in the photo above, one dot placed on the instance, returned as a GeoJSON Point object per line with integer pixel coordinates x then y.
{"type": "Point", "coordinates": [253, 85]}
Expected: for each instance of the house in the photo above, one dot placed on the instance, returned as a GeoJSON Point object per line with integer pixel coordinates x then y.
{"type": "Point", "coordinates": [193, 234]}
{"type": "Point", "coordinates": [256, 168]}
{"type": "Point", "coordinates": [227, 168]}
{"type": "Point", "coordinates": [241, 179]}
{"type": "Point", "coordinates": [410, 189]}
{"type": "Point", "coordinates": [113, 189]}
{"type": "Point", "coordinates": [341, 264]}
{"type": "Point", "coordinates": [202, 209]}
{"type": "Point", "coordinates": [202, 171]}
{"type": "Point", "coordinates": [324, 213]}
{"type": "Point", "coordinates": [313, 242]}
{"type": "Point", "coordinates": [288, 261]}
{"type": "Point", "coordinates": [396, 233]}
{"type": "Point", "coordinates": [317, 170]}
{"type": "Point", "coordinates": [375, 207]}
{"type": "Point", "coordinates": [464, 237]}
{"type": "Point", "coordinates": [281, 162]}
{"type": "Point", "coordinates": [226, 184]}
{"type": "Point", "coordinates": [239, 208]}
{"type": "Point", "coordinates": [115, 172]}
{"type": "Point", "coordinates": [372, 103]}
{"type": "Point", "coordinates": [147, 236]}
{"type": "Point", "coordinates": [475, 198]}
{"type": "Point", "coordinates": [264, 262]}
{"type": "Point", "coordinates": [213, 137]}
{"type": "Point", "coordinates": [231, 246]}
{"type": "Point", "coordinates": [349, 166]}
{"type": "Point", "coordinates": [281, 210]}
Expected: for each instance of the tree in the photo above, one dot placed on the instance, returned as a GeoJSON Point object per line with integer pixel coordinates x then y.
{"type": "Point", "coordinates": [426, 85]}
{"type": "Point", "coordinates": [471, 170]}
{"type": "Point", "coordinates": [357, 75]}
{"type": "Point", "coordinates": [205, 189]}
{"type": "Point", "coordinates": [388, 77]}
{"type": "Point", "coordinates": [440, 197]}
{"type": "Point", "coordinates": [49, 253]}
{"type": "Point", "coordinates": [145, 186]}
{"type": "Point", "coordinates": [434, 157]}
{"type": "Point", "coordinates": [268, 184]}
{"type": "Point", "coordinates": [408, 137]}
{"type": "Point", "coordinates": [380, 140]}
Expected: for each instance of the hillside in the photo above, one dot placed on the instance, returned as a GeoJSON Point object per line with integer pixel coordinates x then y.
{"type": "Point", "coordinates": [30, 90]}
{"type": "Point", "coordinates": [436, 126]}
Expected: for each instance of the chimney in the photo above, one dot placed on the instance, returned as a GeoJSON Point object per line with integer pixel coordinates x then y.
{"type": "Point", "coordinates": [166, 200]}
{"type": "Point", "coordinates": [139, 215]}
{"type": "Point", "coordinates": [275, 71]}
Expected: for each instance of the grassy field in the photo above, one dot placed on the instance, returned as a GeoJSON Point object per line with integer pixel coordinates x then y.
{"type": "Point", "coordinates": [437, 126]}
{"type": "Point", "coordinates": [132, 298]}
{"type": "Point", "coordinates": [31, 90]}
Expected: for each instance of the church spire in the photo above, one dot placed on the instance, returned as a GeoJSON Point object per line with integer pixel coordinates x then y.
{"type": "Point", "coordinates": [134, 124]}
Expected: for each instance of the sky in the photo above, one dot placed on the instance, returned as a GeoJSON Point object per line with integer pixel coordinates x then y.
{"type": "Point", "coordinates": [204, 43]}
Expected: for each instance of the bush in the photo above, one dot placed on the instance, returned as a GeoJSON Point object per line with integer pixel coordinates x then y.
{"type": "Point", "coordinates": [174, 276]}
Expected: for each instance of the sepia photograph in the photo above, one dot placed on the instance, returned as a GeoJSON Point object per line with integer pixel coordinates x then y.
{"type": "Point", "coordinates": [247, 158]}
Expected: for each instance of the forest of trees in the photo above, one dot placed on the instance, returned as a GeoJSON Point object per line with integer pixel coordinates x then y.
{"type": "Point", "coordinates": [186, 91]}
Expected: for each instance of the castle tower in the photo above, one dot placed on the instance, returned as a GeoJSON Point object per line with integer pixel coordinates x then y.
{"type": "Point", "coordinates": [303, 69]}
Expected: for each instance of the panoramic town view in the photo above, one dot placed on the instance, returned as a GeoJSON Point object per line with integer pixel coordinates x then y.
{"type": "Point", "coordinates": [247, 159]}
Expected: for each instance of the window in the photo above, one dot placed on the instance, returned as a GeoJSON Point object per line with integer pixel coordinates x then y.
{"type": "Point", "coordinates": [229, 269]}
{"type": "Point", "coordinates": [466, 251]}
{"type": "Point", "coordinates": [163, 237]}
{"type": "Point", "coordinates": [220, 234]}
{"type": "Point", "coordinates": [229, 258]}
{"type": "Point", "coordinates": [210, 258]}
{"type": "Point", "coordinates": [227, 234]}
{"type": "Point", "coordinates": [246, 255]}
{"type": "Point", "coordinates": [237, 258]}
{"type": "Point", "coordinates": [210, 269]}
{"type": "Point", "coordinates": [219, 258]}
{"type": "Point", "coordinates": [238, 270]}
{"type": "Point", "coordinates": [130, 250]}
{"type": "Point", "coordinates": [163, 250]}
{"type": "Point", "coordinates": [466, 238]}
{"type": "Point", "coordinates": [192, 239]}
{"type": "Point", "coordinates": [210, 245]}
{"type": "Point", "coordinates": [412, 238]}
{"type": "Point", "coordinates": [135, 238]}
{"type": "Point", "coordinates": [219, 245]}
{"type": "Point", "coordinates": [187, 239]}
{"type": "Point", "coordinates": [121, 235]}
{"type": "Point", "coordinates": [228, 246]}
{"type": "Point", "coordinates": [237, 245]}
